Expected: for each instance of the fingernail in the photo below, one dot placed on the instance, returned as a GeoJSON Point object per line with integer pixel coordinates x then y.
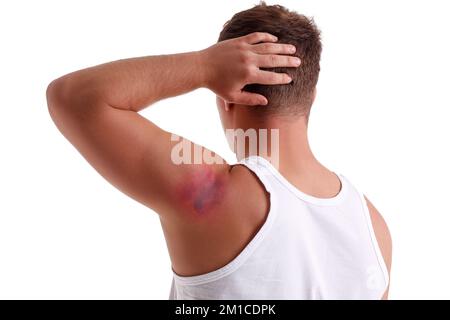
{"type": "Point", "coordinates": [297, 61]}
{"type": "Point", "coordinates": [292, 49]}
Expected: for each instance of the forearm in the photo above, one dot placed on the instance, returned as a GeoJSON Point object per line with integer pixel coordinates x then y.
{"type": "Point", "coordinates": [135, 83]}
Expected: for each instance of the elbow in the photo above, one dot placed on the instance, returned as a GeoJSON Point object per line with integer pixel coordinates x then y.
{"type": "Point", "coordinates": [68, 93]}
{"type": "Point", "coordinates": [57, 94]}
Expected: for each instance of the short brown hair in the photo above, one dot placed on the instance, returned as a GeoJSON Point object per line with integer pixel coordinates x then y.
{"type": "Point", "coordinates": [293, 28]}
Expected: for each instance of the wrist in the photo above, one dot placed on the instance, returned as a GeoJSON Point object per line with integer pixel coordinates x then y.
{"type": "Point", "coordinates": [203, 67]}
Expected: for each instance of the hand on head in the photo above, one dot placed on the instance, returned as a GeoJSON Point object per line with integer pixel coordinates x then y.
{"type": "Point", "coordinates": [232, 64]}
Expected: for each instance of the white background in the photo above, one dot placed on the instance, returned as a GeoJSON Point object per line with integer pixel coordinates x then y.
{"type": "Point", "coordinates": [381, 119]}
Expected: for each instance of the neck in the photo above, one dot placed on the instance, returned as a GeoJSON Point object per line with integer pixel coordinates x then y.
{"type": "Point", "coordinates": [293, 152]}
{"type": "Point", "coordinates": [296, 162]}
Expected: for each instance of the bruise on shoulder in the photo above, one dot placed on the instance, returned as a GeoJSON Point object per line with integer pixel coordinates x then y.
{"type": "Point", "coordinates": [203, 190]}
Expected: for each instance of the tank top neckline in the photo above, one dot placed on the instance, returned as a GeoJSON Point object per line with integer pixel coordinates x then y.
{"type": "Point", "coordinates": [332, 201]}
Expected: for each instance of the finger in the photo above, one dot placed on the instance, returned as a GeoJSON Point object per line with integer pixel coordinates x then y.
{"type": "Point", "coordinates": [270, 77]}
{"type": "Point", "coordinates": [256, 37]}
{"type": "Point", "coordinates": [273, 61]}
{"type": "Point", "coordinates": [250, 99]}
{"type": "Point", "coordinates": [273, 48]}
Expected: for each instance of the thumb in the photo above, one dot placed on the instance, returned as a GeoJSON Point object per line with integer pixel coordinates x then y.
{"type": "Point", "coordinates": [250, 99]}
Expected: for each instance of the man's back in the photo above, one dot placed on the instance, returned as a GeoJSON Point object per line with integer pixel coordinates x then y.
{"type": "Point", "coordinates": [297, 247]}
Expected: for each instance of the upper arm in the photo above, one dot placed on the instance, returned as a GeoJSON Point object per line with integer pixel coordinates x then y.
{"type": "Point", "coordinates": [383, 237]}
{"type": "Point", "coordinates": [134, 154]}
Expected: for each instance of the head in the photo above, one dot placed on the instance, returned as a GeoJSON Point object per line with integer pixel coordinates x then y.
{"type": "Point", "coordinates": [287, 101]}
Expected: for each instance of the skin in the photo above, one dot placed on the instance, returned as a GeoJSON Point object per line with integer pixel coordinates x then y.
{"type": "Point", "coordinates": [202, 192]}
{"type": "Point", "coordinates": [200, 206]}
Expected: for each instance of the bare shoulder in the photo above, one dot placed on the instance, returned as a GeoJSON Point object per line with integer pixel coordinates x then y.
{"type": "Point", "coordinates": [210, 195]}
{"type": "Point", "coordinates": [383, 236]}
{"type": "Point", "coordinates": [242, 210]}
{"type": "Point", "coordinates": [249, 190]}
{"type": "Point", "coordinates": [220, 212]}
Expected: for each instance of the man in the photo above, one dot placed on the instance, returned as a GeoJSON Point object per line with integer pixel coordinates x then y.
{"type": "Point", "coordinates": [276, 225]}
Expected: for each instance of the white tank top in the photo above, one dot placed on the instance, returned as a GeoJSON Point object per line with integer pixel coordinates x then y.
{"type": "Point", "coordinates": [308, 248]}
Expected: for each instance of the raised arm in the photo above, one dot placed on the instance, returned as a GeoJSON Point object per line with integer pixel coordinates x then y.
{"type": "Point", "coordinates": [96, 109]}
